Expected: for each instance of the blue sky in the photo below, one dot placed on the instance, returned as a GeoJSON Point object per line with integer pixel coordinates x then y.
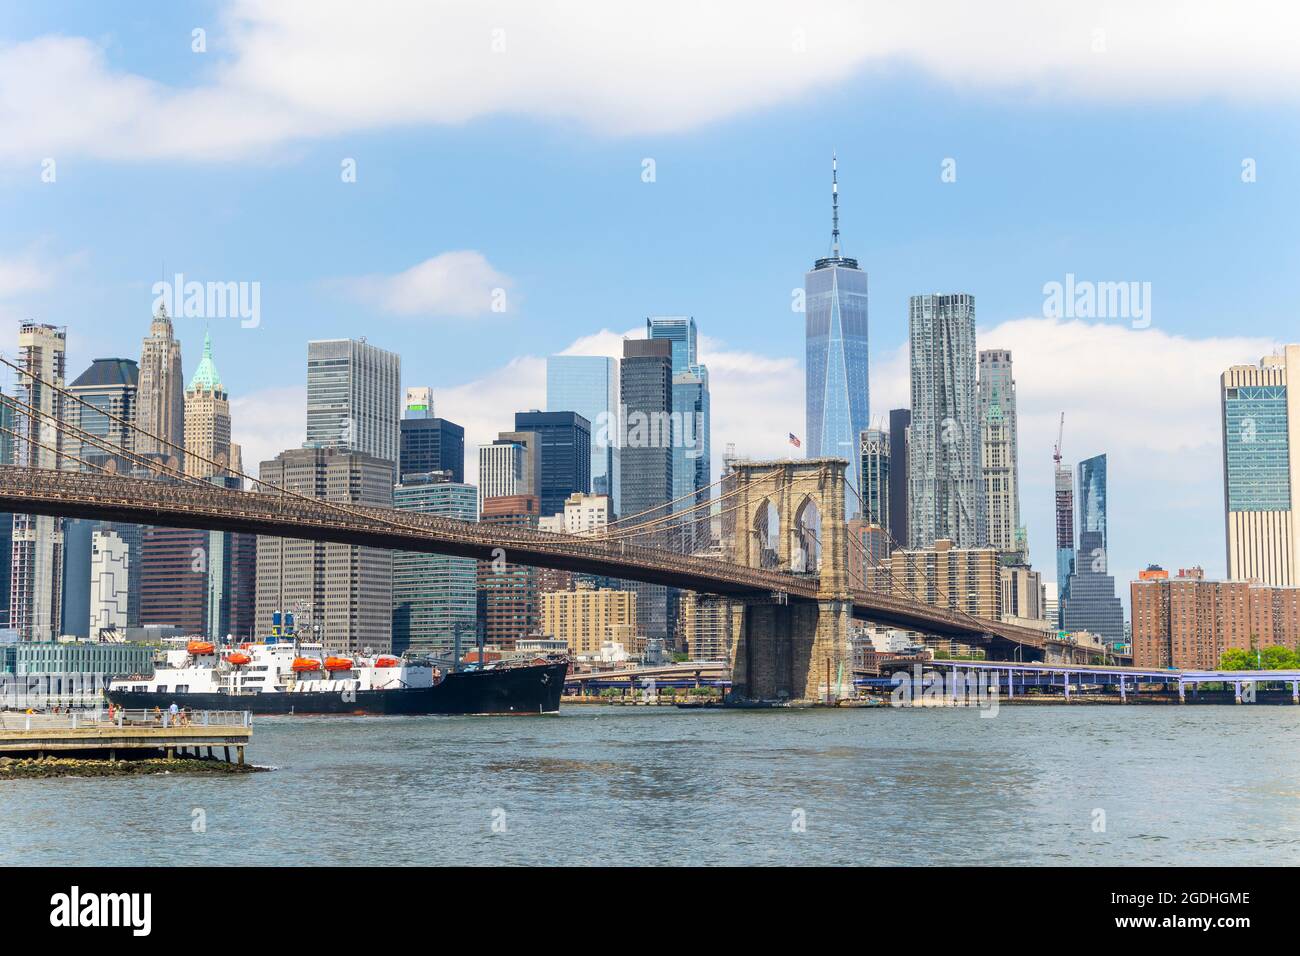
{"type": "Point", "coordinates": [1117, 164]}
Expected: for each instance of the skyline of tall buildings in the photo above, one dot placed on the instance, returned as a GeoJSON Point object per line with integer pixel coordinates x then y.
{"type": "Point", "coordinates": [637, 429]}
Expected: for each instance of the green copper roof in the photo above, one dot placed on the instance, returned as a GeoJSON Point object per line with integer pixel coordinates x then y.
{"type": "Point", "coordinates": [205, 376]}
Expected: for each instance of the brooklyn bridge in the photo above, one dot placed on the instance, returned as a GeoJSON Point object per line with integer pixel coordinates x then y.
{"type": "Point", "coordinates": [781, 555]}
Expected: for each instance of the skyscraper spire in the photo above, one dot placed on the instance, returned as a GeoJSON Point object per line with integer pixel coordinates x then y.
{"type": "Point", "coordinates": [835, 208]}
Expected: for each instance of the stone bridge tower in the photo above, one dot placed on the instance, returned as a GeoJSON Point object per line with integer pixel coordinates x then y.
{"type": "Point", "coordinates": [789, 515]}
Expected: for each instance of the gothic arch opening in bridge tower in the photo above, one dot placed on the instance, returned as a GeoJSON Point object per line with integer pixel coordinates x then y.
{"type": "Point", "coordinates": [806, 553]}
{"type": "Point", "coordinates": [767, 533]}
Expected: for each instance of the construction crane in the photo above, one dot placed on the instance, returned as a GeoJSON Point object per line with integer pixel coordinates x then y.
{"type": "Point", "coordinates": [1060, 436]}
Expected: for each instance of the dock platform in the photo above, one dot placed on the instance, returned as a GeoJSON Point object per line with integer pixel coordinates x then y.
{"type": "Point", "coordinates": [127, 732]}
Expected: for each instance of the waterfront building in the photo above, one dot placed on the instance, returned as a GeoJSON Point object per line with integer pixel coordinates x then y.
{"type": "Point", "coordinates": [160, 416]}
{"type": "Point", "coordinates": [707, 626]}
{"type": "Point", "coordinates": [647, 446]}
{"type": "Point", "coordinates": [1023, 598]}
{"type": "Point", "coordinates": [900, 424]}
{"type": "Point", "coordinates": [1188, 622]}
{"type": "Point", "coordinates": [354, 396]}
{"type": "Point", "coordinates": [835, 333]}
{"type": "Point", "coordinates": [428, 443]}
{"type": "Point", "coordinates": [108, 658]}
{"type": "Point", "coordinates": [944, 500]}
{"type": "Point", "coordinates": [507, 593]}
{"type": "Point", "coordinates": [589, 386]}
{"type": "Point", "coordinates": [563, 455]}
{"type": "Point", "coordinates": [207, 422]}
{"type": "Point", "coordinates": [433, 594]}
{"type": "Point", "coordinates": [1090, 602]}
{"type": "Point", "coordinates": [586, 617]}
{"type": "Point", "coordinates": [36, 592]}
{"type": "Point", "coordinates": [345, 590]}
{"type": "Point", "coordinates": [1261, 468]}
{"type": "Point", "coordinates": [1000, 453]}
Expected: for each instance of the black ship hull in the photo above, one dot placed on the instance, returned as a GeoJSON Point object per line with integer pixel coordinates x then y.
{"type": "Point", "coordinates": [534, 689]}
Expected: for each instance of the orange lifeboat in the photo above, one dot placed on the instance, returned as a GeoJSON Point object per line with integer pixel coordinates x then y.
{"type": "Point", "coordinates": [238, 658]}
{"type": "Point", "coordinates": [387, 662]}
{"type": "Point", "coordinates": [338, 664]}
{"type": "Point", "coordinates": [304, 664]}
{"type": "Point", "coordinates": [200, 647]}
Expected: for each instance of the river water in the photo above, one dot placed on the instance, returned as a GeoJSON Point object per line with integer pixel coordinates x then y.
{"type": "Point", "coordinates": [1045, 784]}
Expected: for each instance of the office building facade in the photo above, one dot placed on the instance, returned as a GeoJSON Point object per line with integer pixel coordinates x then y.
{"type": "Point", "coordinates": [900, 424]}
{"type": "Point", "coordinates": [1260, 407]}
{"type": "Point", "coordinates": [434, 594]}
{"type": "Point", "coordinates": [647, 446]}
{"type": "Point", "coordinates": [944, 500]}
{"type": "Point", "coordinates": [36, 570]}
{"type": "Point", "coordinates": [160, 417]}
{"type": "Point", "coordinates": [208, 448]}
{"type": "Point", "coordinates": [507, 593]}
{"type": "Point", "coordinates": [589, 386]}
{"type": "Point", "coordinates": [564, 455]}
{"type": "Point", "coordinates": [1000, 454]}
{"type": "Point", "coordinates": [354, 397]}
{"type": "Point", "coordinates": [586, 617]}
{"type": "Point", "coordinates": [1090, 603]}
{"type": "Point", "coordinates": [344, 589]}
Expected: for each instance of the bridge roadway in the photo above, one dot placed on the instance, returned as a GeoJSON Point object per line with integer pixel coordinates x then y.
{"type": "Point", "coordinates": [175, 504]}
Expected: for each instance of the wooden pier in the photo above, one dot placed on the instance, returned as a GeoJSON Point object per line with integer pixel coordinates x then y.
{"type": "Point", "coordinates": [127, 733]}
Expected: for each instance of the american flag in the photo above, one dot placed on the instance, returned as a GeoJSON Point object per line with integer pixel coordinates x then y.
{"type": "Point", "coordinates": [794, 440]}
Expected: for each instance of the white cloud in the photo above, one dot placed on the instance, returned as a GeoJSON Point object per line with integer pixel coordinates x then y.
{"type": "Point", "coordinates": [458, 284]}
{"type": "Point", "coordinates": [296, 69]}
{"type": "Point", "coordinates": [26, 272]}
{"type": "Point", "coordinates": [267, 422]}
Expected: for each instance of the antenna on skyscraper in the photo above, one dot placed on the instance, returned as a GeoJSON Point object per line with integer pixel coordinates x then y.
{"type": "Point", "coordinates": [835, 207]}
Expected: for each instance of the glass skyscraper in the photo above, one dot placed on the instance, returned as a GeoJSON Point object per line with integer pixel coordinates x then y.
{"type": "Point", "coordinates": [433, 594]}
{"type": "Point", "coordinates": [691, 463]}
{"type": "Point", "coordinates": [943, 475]}
{"type": "Point", "coordinates": [1261, 469]}
{"type": "Point", "coordinates": [564, 444]}
{"type": "Point", "coordinates": [589, 385]}
{"type": "Point", "coordinates": [835, 328]}
{"type": "Point", "coordinates": [1090, 603]}
{"type": "Point", "coordinates": [354, 397]}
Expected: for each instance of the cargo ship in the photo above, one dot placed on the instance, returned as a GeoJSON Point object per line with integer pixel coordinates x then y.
{"type": "Point", "coordinates": [286, 676]}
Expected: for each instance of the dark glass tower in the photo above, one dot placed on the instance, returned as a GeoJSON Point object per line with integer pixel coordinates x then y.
{"type": "Point", "coordinates": [1090, 603]}
{"type": "Point", "coordinates": [835, 320]}
{"type": "Point", "coordinates": [432, 444]}
{"type": "Point", "coordinates": [564, 442]}
{"type": "Point", "coordinates": [647, 398]}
